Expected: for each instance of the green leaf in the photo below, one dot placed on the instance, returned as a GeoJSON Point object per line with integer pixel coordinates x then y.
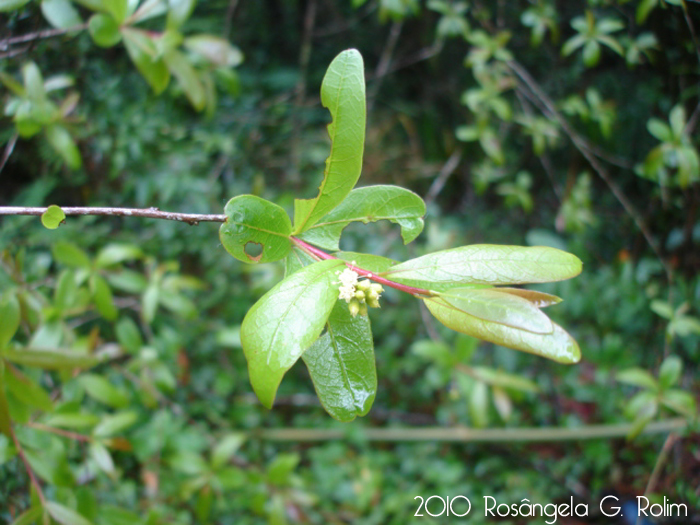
{"type": "Point", "coordinates": [12, 5]}
{"type": "Point", "coordinates": [501, 379]}
{"type": "Point", "coordinates": [187, 77]}
{"type": "Point", "coordinates": [226, 448]}
{"type": "Point", "coordinates": [117, 253]}
{"type": "Point", "coordinates": [70, 255]}
{"type": "Point", "coordinates": [645, 7]}
{"type": "Point", "coordinates": [27, 391]}
{"type": "Point", "coordinates": [670, 372]}
{"type": "Point", "coordinates": [103, 391]}
{"type": "Point", "coordinates": [60, 13]}
{"type": "Point", "coordinates": [50, 359]}
{"type": "Point", "coordinates": [660, 130]}
{"type": "Point", "coordinates": [539, 299]}
{"type": "Point", "coordinates": [103, 458]}
{"type": "Point", "coordinates": [52, 217]}
{"type": "Point", "coordinates": [72, 420]}
{"type": "Point", "coordinates": [178, 12]}
{"type": "Point", "coordinates": [281, 468]}
{"type": "Point", "coordinates": [285, 322]}
{"type": "Point", "coordinates": [637, 377]}
{"type": "Point", "coordinates": [102, 296]}
{"type": "Point", "coordinates": [680, 401]}
{"type": "Point", "coordinates": [143, 54]}
{"type": "Point", "coordinates": [591, 53]}
{"type": "Point", "coordinates": [662, 309]}
{"type": "Point", "coordinates": [573, 44]}
{"type": "Point", "coordinates": [370, 204]}
{"type": "Point", "coordinates": [9, 319]}
{"type": "Point", "coordinates": [296, 260]}
{"type": "Point", "coordinates": [341, 365]}
{"type": "Point", "coordinates": [558, 346]}
{"type": "Point", "coordinates": [487, 264]}
{"type": "Point", "coordinates": [115, 424]}
{"type": "Point", "coordinates": [479, 405]}
{"type": "Point", "coordinates": [10, 83]}
{"type": "Point", "coordinates": [343, 93]}
{"type": "Point", "coordinates": [117, 9]}
{"type": "Point", "coordinates": [252, 221]}
{"type": "Point", "coordinates": [33, 82]}
{"type": "Point", "coordinates": [61, 141]}
{"type": "Point", "coordinates": [64, 515]}
{"type": "Point", "coordinates": [218, 51]}
{"type": "Point", "coordinates": [677, 120]}
{"type": "Point", "coordinates": [104, 30]}
{"type": "Point", "coordinates": [502, 308]}
{"type": "Point", "coordinates": [29, 516]}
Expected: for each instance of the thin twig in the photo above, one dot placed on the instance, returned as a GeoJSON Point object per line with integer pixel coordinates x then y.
{"type": "Point", "coordinates": [149, 213]}
{"type": "Point", "coordinates": [28, 468]}
{"type": "Point", "coordinates": [38, 35]}
{"type": "Point", "coordinates": [660, 461]}
{"type": "Point", "coordinates": [228, 20]}
{"type": "Point", "coordinates": [447, 170]}
{"type": "Point", "coordinates": [580, 143]}
{"type": "Point", "coordinates": [384, 63]}
{"type": "Point", "coordinates": [465, 434]}
{"type": "Point", "coordinates": [59, 432]}
{"type": "Point", "coordinates": [8, 151]}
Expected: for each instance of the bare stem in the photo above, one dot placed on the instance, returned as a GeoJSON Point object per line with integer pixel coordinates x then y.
{"type": "Point", "coordinates": [38, 35]}
{"type": "Point", "coordinates": [465, 434]}
{"type": "Point", "coordinates": [28, 468]}
{"type": "Point", "coordinates": [59, 432]}
{"type": "Point", "coordinates": [320, 254]}
{"type": "Point", "coordinates": [149, 213]}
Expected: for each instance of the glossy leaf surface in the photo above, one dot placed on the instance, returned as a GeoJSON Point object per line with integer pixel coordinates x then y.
{"type": "Point", "coordinates": [250, 219]}
{"type": "Point", "coordinates": [285, 322]}
{"type": "Point", "coordinates": [488, 264]}
{"type": "Point", "coordinates": [539, 299]}
{"type": "Point", "coordinates": [341, 365]}
{"type": "Point", "coordinates": [370, 204]}
{"type": "Point", "coordinates": [143, 54]}
{"type": "Point", "coordinates": [491, 305]}
{"type": "Point", "coordinates": [343, 93]}
{"type": "Point", "coordinates": [558, 346]}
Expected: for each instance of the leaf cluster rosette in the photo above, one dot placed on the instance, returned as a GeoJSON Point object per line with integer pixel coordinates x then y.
{"type": "Point", "coordinates": [467, 289]}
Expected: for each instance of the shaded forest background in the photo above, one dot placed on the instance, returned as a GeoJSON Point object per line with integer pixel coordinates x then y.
{"type": "Point", "coordinates": [567, 124]}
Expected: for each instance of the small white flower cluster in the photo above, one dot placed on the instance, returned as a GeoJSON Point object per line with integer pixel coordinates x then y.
{"type": "Point", "coordinates": [348, 280]}
{"type": "Point", "coordinates": [358, 294]}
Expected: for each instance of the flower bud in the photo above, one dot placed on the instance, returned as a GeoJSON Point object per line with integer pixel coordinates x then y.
{"type": "Point", "coordinates": [363, 309]}
{"type": "Point", "coordinates": [373, 295]}
{"type": "Point", "coordinates": [363, 285]}
{"type": "Point", "coordinates": [373, 302]}
{"type": "Point", "coordinates": [354, 307]}
{"type": "Point", "coordinates": [360, 296]}
{"type": "Point", "coordinates": [376, 287]}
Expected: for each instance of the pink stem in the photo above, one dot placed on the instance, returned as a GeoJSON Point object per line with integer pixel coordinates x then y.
{"type": "Point", "coordinates": [316, 252]}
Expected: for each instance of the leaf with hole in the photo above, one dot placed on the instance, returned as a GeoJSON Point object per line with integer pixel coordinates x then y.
{"type": "Point", "coordinates": [285, 322]}
{"type": "Point", "coordinates": [370, 204]}
{"type": "Point", "coordinates": [343, 93]}
{"type": "Point", "coordinates": [341, 365]}
{"type": "Point", "coordinates": [252, 221]}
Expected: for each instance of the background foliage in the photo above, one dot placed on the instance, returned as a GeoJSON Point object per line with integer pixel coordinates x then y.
{"type": "Point", "coordinates": [568, 124]}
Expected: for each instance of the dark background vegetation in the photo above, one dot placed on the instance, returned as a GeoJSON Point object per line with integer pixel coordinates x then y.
{"type": "Point", "coordinates": [182, 372]}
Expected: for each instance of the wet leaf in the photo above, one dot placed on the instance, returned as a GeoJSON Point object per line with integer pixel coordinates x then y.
{"type": "Point", "coordinates": [252, 220]}
{"type": "Point", "coordinates": [370, 204]}
{"type": "Point", "coordinates": [343, 93]}
{"type": "Point", "coordinates": [285, 322]}
{"type": "Point", "coordinates": [341, 365]}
